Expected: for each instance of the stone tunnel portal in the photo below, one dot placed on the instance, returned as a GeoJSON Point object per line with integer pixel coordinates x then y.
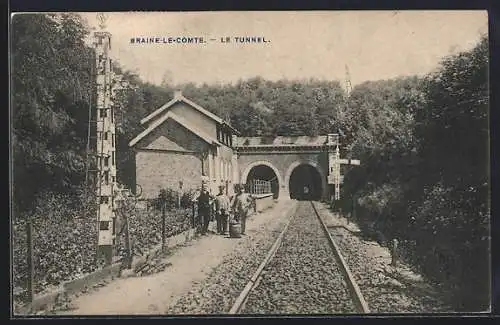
{"type": "Point", "coordinates": [305, 183]}
{"type": "Point", "coordinates": [265, 173]}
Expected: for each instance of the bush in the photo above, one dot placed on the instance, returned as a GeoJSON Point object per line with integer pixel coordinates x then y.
{"type": "Point", "coordinates": [453, 242]}
{"type": "Point", "coordinates": [186, 199]}
{"type": "Point", "coordinates": [444, 234]}
{"type": "Point", "coordinates": [169, 196]}
{"type": "Point", "coordinates": [65, 237]}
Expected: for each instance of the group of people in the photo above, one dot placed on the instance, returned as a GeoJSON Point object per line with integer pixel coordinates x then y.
{"type": "Point", "coordinates": [223, 208]}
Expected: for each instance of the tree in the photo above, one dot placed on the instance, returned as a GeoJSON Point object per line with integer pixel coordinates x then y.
{"type": "Point", "coordinates": [51, 83]}
{"type": "Point", "coordinates": [454, 149]}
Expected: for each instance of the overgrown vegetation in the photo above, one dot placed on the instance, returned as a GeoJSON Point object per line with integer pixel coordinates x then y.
{"type": "Point", "coordinates": [423, 142]}
{"type": "Point", "coordinates": [425, 173]}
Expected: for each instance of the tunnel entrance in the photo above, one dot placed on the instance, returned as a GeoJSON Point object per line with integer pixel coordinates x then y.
{"type": "Point", "coordinates": [305, 183]}
{"type": "Point", "coordinates": [262, 173]}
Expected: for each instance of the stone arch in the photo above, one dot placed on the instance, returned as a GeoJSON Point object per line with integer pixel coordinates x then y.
{"type": "Point", "coordinates": [248, 168]}
{"type": "Point", "coordinates": [317, 166]}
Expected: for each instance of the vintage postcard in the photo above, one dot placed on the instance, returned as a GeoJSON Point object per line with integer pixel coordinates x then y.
{"type": "Point", "coordinates": [250, 163]}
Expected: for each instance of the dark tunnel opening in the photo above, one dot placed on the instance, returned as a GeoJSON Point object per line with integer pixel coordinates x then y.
{"type": "Point", "coordinates": [263, 173]}
{"type": "Point", "coordinates": [305, 183]}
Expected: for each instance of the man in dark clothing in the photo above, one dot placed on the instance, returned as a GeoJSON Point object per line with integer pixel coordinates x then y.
{"type": "Point", "coordinates": [204, 202]}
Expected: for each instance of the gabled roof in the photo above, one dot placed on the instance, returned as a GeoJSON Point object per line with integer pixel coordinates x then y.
{"type": "Point", "coordinates": [281, 141]}
{"type": "Point", "coordinates": [179, 120]}
{"type": "Point", "coordinates": [178, 97]}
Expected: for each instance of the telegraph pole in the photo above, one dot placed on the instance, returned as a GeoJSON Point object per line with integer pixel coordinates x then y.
{"type": "Point", "coordinates": [334, 162]}
{"type": "Point", "coordinates": [348, 86]}
{"type": "Point", "coordinates": [105, 149]}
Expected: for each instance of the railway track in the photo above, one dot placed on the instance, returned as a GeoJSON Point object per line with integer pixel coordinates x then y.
{"type": "Point", "coordinates": [303, 273]}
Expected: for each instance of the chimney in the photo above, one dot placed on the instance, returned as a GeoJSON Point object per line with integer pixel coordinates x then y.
{"type": "Point", "coordinates": [178, 93]}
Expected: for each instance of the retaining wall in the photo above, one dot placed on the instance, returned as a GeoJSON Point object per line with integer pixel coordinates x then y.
{"type": "Point", "coordinates": [263, 201]}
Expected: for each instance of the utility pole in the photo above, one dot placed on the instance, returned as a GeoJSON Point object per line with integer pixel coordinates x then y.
{"type": "Point", "coordinates": [348, 86]}
{"type": "Point", "coordinates": [101, 144]}
{"type": "Point", "coordinates": [334, 162]}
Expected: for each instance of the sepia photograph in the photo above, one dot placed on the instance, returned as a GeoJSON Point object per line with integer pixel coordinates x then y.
{"type": "Point", "coordinates": [259, 163]}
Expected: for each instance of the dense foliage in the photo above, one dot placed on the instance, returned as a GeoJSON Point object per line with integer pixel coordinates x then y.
{"type": "Point", "coordinates": [65, 243]}
{"type": "Point", "coordinates": [51, 87]}
{"type": "Point", "coordinates": [423, 142]}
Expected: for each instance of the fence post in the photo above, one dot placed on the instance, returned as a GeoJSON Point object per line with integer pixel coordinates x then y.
{"type": "Point", "coordinates": [30, 262]}
{"type": "Point", "coordinates": [354, 203]}
{"type": "Point", "coordinates": [394, 251]}
{"type": "Point", "coordinates": [163, 225]}
{"type": "Point", "coordinates": [193, 217]}
{"type": "Point", "coordinates": [128, 245]}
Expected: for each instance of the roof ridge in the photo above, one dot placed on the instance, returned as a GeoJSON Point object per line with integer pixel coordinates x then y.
{"type": "Point", "coordinates": [179, 120]}
{"type": "Point", "coordinates": [178, 96]}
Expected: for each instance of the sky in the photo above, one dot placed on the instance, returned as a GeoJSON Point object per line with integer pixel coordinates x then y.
{"type": "Point", "coordinates": [373, 45]}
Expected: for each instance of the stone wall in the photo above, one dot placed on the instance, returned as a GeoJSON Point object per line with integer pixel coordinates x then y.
{"type": "Point", "coordinates": [170, 154]}
{"type": "Point", "coordinates": [284, 164]}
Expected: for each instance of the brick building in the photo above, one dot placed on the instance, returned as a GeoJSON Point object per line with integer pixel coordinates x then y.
{"type": "Point", "coordinates": [181, 142]}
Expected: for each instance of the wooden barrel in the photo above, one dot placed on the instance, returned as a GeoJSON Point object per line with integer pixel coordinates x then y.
{"type": "Point", "coordinates": [235, 230]}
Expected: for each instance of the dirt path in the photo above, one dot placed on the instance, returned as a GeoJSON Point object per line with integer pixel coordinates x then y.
{"type": "Point", "coordinates": [190, 265]}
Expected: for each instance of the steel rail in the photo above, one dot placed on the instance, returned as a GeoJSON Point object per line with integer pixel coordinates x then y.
{"type": "Point", "coordinates": [356, 294]}
{"type": "Point", "coordinates": [254, 280]}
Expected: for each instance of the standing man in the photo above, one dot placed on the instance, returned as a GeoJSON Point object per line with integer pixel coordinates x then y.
{"type": "Point", "coordinates": [240, 206]}
{"type": "Point", "coordinates": [222, 210]}
{"type": "Point", "coordinates": [204, 201]}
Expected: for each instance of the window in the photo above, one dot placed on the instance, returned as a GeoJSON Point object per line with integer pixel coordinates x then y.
{"type": "Point", "coordinates": [104, 200]}
{"type": "Point", "coordinates": [106, 135]}
{"type": "Point", "coordinates": [102, 112]}
{"type": "Point", "coordinates": [113, 139]}
{"type": "Point", "coordinates": [230, 141]}
{"type": "Point", "coordinates": [104, 225]}
{"type": "Point", "coordinates": [113, 157]}
{"type": "Point", "coordinates": [106, 177]}
{"type": "Point", "coordinates": [99, 135]}
{"type": "Point", "coordinates": [106, 161]}
{"type": "Point", "coordinates": [112, 114]}
{"type": "Point", "coordinates": [113, 179]}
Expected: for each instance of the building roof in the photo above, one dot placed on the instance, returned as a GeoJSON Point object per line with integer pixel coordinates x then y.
{"type": "Point", "coordinates": [281, 141]}
{"type": "Point", "coordinates": [178, 97]}
{"type": "Point", "coordinates": [205, 137]}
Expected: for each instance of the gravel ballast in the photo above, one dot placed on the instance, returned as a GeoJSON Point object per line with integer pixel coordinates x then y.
{"type": "Point", "coordinates": [218, 292]}
{"type": "Point", "coordinates": [386, 289]}
{"type": "Point", "coordinates": [303, 277]}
